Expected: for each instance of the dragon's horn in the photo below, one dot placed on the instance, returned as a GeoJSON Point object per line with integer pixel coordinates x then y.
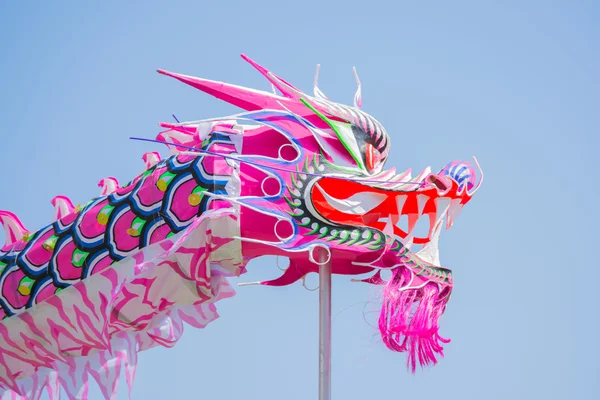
{"type": "Point", "coordinates": [318, 92]}
{"type": "Point", "coordinates": [358, 95]}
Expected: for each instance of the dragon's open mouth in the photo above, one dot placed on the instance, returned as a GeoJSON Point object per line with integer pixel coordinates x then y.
{"type": "Point", "coordinates": [413, 207]}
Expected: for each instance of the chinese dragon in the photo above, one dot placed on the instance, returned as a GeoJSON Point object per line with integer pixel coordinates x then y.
{"type": "Point", "coordinates": [294, 176]}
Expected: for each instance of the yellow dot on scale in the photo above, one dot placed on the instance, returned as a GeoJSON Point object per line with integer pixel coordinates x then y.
{"type": "Point", "coordinates": [161, 185]}
{"type": "Point", "coordinates": [194, 199]}
{"type": "Point", "coordinates": [47, 247]}
{"type": "Point", "coordinates": [24, 290]}
{"type": "Point", "coordinates": [102, 219]}
{"type": "Point", "coordinates": [133, 232]}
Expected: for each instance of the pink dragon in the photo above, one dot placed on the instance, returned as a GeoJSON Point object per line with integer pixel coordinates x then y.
{"type": "Point", "coordinates": [294, 175]}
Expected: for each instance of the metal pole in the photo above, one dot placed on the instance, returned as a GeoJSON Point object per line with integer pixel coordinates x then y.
{"type": "Point", "coordinates": [324, 327]}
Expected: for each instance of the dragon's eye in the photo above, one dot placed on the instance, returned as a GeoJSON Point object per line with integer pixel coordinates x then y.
{"type": "Point", "coordinates": [369, 154]}
{"type": "Point", "coordinates": [359, 144]}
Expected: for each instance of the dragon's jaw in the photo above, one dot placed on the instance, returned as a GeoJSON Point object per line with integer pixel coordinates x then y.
{"type": "Point", "coordinates": [415, 297]}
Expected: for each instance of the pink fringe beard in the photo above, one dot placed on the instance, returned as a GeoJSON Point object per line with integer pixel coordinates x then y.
{"type": "Point", "coordinates": [409, 319]}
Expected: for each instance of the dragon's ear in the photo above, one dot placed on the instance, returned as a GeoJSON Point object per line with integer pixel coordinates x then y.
{"type": "Point", "coordinates": [344, 133]}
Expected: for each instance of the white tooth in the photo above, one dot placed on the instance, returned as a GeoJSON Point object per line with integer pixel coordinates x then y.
{"type": "Point", "coordinates": [432, 223]}
{"type": "Point", "coordinates": [430, 253]}
{"type": "Point", "coordinates": [408, 241]}
{"type": "Point", "coordinates": [421, 201]}
{"type": "Point", "coordinates": [412, 221]}
{"type": "Point", "coordinates": [358, 203]}
{"type": "Point", "coordinates": [388, 230]}
{"type": "Point", "coordinates": [400, 200]}
{"type": "Point", "coordinates": [453, 211]}
{"type": "Point", "coordinates": [441, 206]}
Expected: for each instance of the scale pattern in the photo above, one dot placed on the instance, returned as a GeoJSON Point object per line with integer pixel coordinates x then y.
{"type": "Point", "coordinates": [157, 204]}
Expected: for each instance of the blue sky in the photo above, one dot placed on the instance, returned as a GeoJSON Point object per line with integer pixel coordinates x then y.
{"type": "Point", "coordinates": [514, 83]}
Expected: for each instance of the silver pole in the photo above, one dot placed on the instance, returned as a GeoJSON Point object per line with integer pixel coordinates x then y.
{"type": "Point", "coordinates": [324, 327]}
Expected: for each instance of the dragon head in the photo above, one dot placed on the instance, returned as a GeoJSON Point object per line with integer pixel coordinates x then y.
{"type": "Point", "coordinates": [309, 183]}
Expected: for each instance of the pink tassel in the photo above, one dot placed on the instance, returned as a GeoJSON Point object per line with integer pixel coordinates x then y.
{"type": "Point", "coordinates": [409, 319]}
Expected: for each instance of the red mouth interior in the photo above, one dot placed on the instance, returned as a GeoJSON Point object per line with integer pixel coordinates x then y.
{"type": "Point", "coordinates": [344, 189]}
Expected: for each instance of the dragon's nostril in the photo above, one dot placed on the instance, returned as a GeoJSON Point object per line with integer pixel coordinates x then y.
{"type": "Point", "coordinates": [437, 182]}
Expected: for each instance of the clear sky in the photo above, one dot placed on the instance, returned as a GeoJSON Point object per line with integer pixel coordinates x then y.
{"type": "Point", "coordinates": [513, 82]}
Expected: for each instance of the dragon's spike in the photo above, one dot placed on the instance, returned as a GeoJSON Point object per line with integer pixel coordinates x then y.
{"type": "Point", "coordinates": [358, 95]}
{"type": "Point", "coordinates": [151, 159]}
{"type": "Point", "coordinates": [287, 89]}
{"type": "Point", "coordinates": [317, 92]}
{"type": "Point", "coordinates": [14, 229]}
{"type": "Point", "coordinates": [255, 100]}
{"type": "Point", "coordinates": [108, 185]}
{"type": "Point", "coordinates": [62, 206]}
{"type": "Point", "coordinates": [247, 99]}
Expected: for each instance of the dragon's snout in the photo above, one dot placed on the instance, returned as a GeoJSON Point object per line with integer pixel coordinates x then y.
{"type": "Point", "coordinates": [401, 200]}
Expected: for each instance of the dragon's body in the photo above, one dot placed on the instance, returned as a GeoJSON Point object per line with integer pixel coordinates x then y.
{"type": "Point", "coordinates": [294, 176]}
